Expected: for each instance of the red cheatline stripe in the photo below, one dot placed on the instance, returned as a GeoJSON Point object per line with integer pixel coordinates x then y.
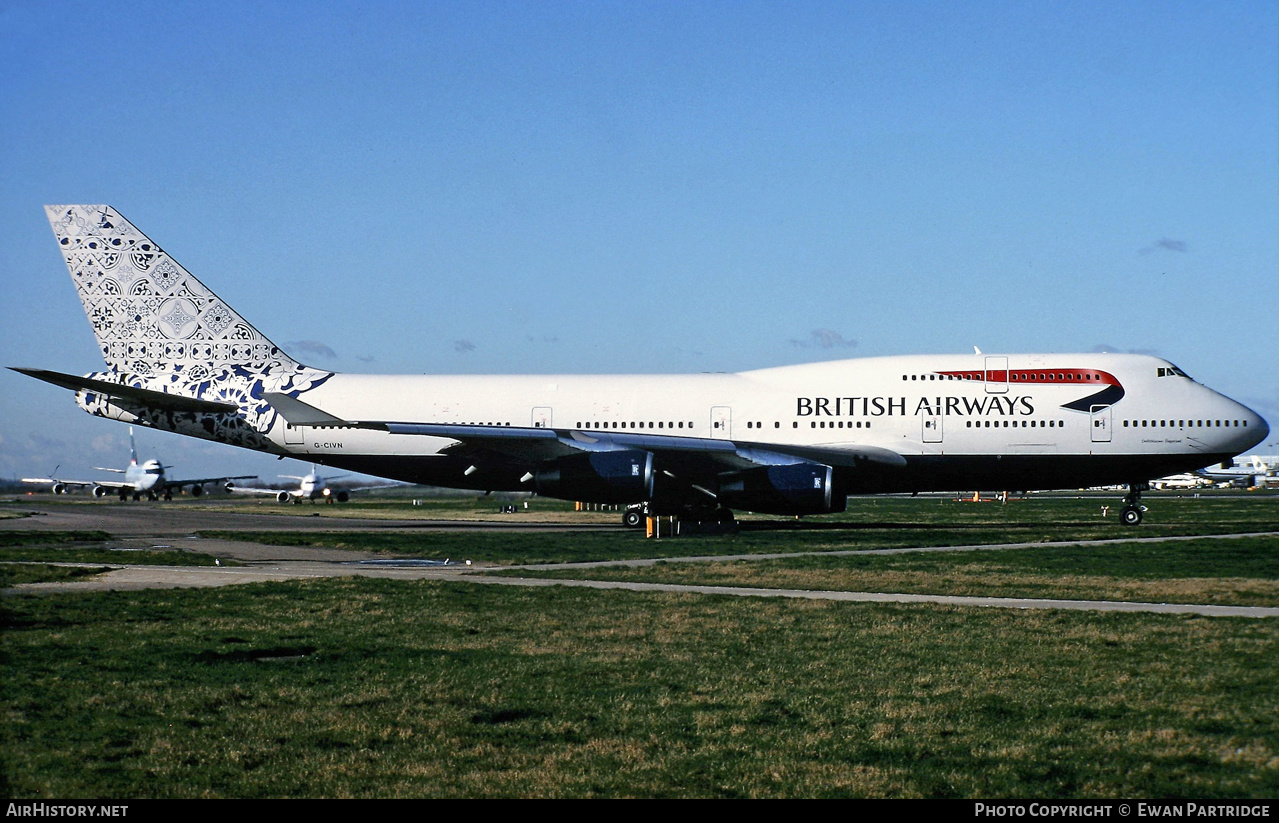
{"type": "Point", "coordinates": [1092, 377]}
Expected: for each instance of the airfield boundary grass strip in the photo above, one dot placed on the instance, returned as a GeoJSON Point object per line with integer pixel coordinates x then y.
{"type": "Point", "coordinates": [870, 523]}
{"type": "Point", "coordinates": [13, 574]}
{"type": "Point", "coordinates": [1236, 571]}
{"type": "Point", "coordinates": [10, 539]}
{"type": "Point", "coordinates": [375, 688]}
{"type": "Point", "coordinates": [26, 556]}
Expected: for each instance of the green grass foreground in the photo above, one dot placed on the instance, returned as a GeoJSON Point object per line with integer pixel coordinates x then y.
{"type": "Point", "coordinates": [375, 688]}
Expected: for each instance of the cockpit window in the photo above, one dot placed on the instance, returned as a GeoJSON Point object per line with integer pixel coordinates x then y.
{"type": "Point", "coordinates": [1170, 371]}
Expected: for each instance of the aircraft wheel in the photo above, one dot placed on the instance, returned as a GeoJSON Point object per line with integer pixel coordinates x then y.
{"type": "Point", "coordinates": [632, 518]}
{"type": "Point", "coordinates": [1130, 516]}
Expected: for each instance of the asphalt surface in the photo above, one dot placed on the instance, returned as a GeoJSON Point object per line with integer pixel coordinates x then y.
{"type": "Point", "coordinates": [142, 526]}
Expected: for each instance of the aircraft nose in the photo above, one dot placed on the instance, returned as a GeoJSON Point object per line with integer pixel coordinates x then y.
{"type": "Point", "coordinates": [1255, 430]}
{"type": "Point", "coordinates": [1263, 428]}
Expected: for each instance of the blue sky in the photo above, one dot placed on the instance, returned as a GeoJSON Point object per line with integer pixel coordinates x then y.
{"type": "Point", "coordinates": [522, 187]}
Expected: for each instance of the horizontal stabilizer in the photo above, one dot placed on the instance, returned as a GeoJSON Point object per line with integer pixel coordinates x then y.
{"type": "Point", "coordinates": [142, 397]}
{"type": "Point", "coordinates": [297, 413]}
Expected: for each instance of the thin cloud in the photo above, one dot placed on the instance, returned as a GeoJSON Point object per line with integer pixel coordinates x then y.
{"type": "Point", "coordinates": [1166, 244]}
{"type": "Point", "coordinates": [1106, 348]}
{"type": "Point", "coordinates": [311, 347]}
{"type": "Point", "coordinates": [824, 339]}
{"type": "Point", "coordinates": [463, 346]}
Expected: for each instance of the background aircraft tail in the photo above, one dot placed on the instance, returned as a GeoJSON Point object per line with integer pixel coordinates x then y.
{"type": "Point", "coordinates": [151, 315]}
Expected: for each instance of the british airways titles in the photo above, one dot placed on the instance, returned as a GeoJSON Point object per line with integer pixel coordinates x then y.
{"type": "Point", "coordinates": [991, 405]}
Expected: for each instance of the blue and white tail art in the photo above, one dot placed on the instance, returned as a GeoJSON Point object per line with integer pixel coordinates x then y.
{"type": "Point", "coordinates": [162, 331]}
{"type": "Point", "coordinates": [791, 440]}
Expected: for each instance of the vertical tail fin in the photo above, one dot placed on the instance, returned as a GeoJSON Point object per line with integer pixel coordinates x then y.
{"type": "Point", "coordinates": [151, 315]}
{"type": "Point", "coordinates": [133, 448]}
{"type": "Point", "coordinates": [184, 359]}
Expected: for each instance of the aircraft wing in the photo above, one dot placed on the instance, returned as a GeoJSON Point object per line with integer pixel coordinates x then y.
{"type": "Point", "coordinates": [144, 397]}
{"type": "Point", "coordinates": [367, 487]}
{"type": "Point", "coordinates": [256, 490]}
{"type": "Point", "coordinates": [178, 484]}
{"type": "Point", "coordinates": [79, 484]}
{"type": "Point", "coordinates": [697, 455]}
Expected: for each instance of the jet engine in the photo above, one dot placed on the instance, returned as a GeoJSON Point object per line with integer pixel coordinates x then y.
{"type": "Point", "coordinates": [197, 490]}
{"type": "Point", "coordinates": [795, 488]}
{"type": "Point", "coordinates": [622, 476]}
{"type": "Point", "coordinates": [282, 497]}
{"type": "Point", "coordinates": [100, 491]}
{"type": "Point", "coordinates": [59, 488]}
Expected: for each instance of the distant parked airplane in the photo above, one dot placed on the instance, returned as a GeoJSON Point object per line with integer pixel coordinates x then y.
{"type": "Point", "coordinates": [1186, 480]}
{"type": "Point", "coordinates": [314, 487]}
{"type": "Point", "coordinates": [140, 479]}
{"type": "Point", "coordinates": [788, 440]}
{"type": "Point", "coordinates": [1248, 471]}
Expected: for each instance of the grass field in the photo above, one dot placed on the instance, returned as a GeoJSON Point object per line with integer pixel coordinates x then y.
{"type": "Point", "coordinates": [376, 688]}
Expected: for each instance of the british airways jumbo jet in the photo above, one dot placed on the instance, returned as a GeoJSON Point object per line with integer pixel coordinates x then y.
{"type": "Point", "coordinates": [789, 440]}
{"type": "Point", "coordinates": [145, 478]}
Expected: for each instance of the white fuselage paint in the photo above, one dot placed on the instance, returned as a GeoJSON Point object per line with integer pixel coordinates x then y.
{"type": "Point", "coordinates": [144, 477]}
{"type": "Point", "coordinates": [918, 405]}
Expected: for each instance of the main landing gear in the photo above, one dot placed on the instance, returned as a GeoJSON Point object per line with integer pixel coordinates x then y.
{"type": "Point", "coordinates": [1132, 511]}
{"type": "Point", "coordinates": [633, 516]}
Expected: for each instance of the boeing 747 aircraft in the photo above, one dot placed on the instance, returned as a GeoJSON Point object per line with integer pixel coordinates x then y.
{"type": "Point", "coordinates": [791, 440]}
{"type": "Point", "coordinates": [140, 479]}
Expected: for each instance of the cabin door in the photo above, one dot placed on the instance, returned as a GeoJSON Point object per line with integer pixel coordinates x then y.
{"type": "Point", "coordinates": [1100, 424]}
{"type": "Point", "coordinates": [721, 423]}
{"type": "Point", "coordinates": [996, 375]}
{"type": "Point", "coordinates": [932, 428]}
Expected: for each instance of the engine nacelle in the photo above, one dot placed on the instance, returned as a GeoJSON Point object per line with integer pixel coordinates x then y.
{"type": "Point", "coordinates": [623, 476]}
{"type": "Point", "coordinates": [59, 488]}
{"type": "Point", "coordinates": [101, 491]}
{"type": "Point", "coordinates": [197, 490]}
{"type": "Point", "coordinates": [342, 496]}
{"type": "Point", "coordinates": [796, 488]}
{"type": "Point", "coordinates": [282, 497]}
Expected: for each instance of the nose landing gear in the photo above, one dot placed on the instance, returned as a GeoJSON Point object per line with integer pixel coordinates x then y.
{"type": "Point", "coordinates": [1132, 511]}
